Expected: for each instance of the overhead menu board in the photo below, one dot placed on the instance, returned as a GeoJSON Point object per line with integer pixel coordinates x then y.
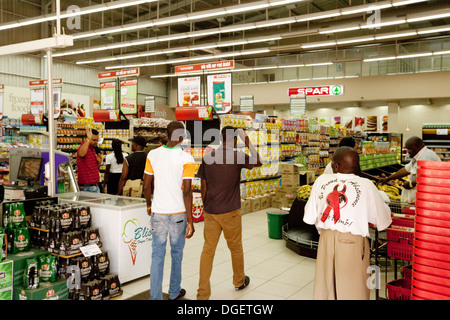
{"type": "Point", "coordinates": [128, 96]}
{"type": "Point", "coordinates": [219, 92]}
{"type": "Point", "coordinates": [189, 91]}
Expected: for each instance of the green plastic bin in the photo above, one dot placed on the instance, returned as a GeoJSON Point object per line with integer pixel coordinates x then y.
{"type": "Point", "coordinates": [276, 220]}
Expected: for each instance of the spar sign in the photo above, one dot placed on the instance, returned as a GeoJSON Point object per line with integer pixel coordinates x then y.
{"type": "Point", "coordinates": [328, 90]}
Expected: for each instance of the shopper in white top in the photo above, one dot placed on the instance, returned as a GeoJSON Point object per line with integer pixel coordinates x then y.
{"type": "Point", "coordinates": [171, 170]}
{"type": "Point", "coordinates": [417, 151]}
{"type": "Point", "coordinates": [114, 163]}
{"type": "Point", "coordinates": [341, 206]}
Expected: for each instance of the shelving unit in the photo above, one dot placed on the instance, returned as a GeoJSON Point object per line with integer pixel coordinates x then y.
{"type": "Point", "coordinates": [436, 137]}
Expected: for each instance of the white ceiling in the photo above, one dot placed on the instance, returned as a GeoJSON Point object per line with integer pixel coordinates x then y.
{"type": "Point", "coordinates": [271, 34]}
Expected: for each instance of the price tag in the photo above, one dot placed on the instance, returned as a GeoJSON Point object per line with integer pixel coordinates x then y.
{"type": "Point", "coordinates": [90, 250]}
{"type": "Point", "coordinates": [442, 132]}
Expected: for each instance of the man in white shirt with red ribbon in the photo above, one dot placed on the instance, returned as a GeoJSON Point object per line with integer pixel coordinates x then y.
{"type": "Point", "coordinates": [341, 206]}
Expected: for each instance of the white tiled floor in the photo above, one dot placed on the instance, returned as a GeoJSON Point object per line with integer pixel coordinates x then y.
{"type": "Point", "coordinates": [275, 271]}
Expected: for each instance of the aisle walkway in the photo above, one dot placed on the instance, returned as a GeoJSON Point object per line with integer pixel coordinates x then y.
{"type": "Point", "coordinates": [276, 272]}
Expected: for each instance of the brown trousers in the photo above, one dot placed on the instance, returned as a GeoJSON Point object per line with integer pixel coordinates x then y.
{"type": "Point", "coordinates": [231, 225]}
{"type": "Point", "coordinates": [341, 267]}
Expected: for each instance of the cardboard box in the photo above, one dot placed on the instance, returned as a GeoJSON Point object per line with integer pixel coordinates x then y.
{"type": "Point", "coordinates": [46, 291]}
{"type": "Point", "coordinates": [245, 206]}
{"type": "Point", "coordinates": [255, 204]}
{"type": "Point", "coordinates": [6, 274]}
{"type": "Point", "coordinates": [290, 168]}
{"type": "Point", "coordinates": [290, 180]}
{"type": "Point", "coordinates": [307, 177]}
{"type": "Point", "coordinates": [6, 294]}
{"type": "Point", "coordinates": [266, 202]}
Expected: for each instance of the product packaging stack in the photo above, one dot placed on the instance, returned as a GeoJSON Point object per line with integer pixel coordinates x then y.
{"type": "Point", "coordinates": [292, 177]}
{"type": "Point", "coordinates": [431, 253]}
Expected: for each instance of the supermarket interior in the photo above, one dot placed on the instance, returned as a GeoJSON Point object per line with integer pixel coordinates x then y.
{"type": "Point", "coordinates": [294, 79]}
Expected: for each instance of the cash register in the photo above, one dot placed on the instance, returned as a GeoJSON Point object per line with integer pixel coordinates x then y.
{"type": "Point", "coordinates": [30, 171]}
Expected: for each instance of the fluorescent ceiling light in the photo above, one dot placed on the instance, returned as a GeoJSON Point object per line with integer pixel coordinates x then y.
{"type": "Point", "coordinates": [414, 55]}
{"type": "Point", "coordinates": [406, 2]}
{"type": "Point", "coordinates": [403, 56]}
{"type": "Point", "coordinates": [432, 17]}
{"type": "Point", "coordinates": [205, 57]}
{"type": "Point", "coordinates": [383, 24]}
{"type": "Point", "coordinates": [83, 11]}
{"type": "Point", "coordinates": [370, 38]}
{"type": "Point", "coordinates": [317, 45]}
{"type": "Point", "coordinates": [186, 17]}
{"type": "Point", "coordinates": [339, 30]}
{"type": "Point", "coordinates": [365, 8]}
{"type": "Point", "coordinates": [433, 30]}
{"type": "Point", "coordinates": [395, 35]}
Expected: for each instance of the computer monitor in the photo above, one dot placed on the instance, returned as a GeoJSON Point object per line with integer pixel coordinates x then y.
{"type": "Point", "coordinates": [30, 169]}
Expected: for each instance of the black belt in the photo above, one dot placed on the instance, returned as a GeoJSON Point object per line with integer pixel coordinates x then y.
{"type": "Point", "coordinates": [88, 185]}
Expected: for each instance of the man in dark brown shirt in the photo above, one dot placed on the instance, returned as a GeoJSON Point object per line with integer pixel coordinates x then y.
{"type": "Point", "coordinates": [220, 174]}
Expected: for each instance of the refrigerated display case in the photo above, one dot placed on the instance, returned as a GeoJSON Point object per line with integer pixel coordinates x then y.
{"type": "Point", "coordinates": [125, 230]}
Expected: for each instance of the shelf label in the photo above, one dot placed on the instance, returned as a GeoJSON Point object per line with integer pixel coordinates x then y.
{"type": "Point", "coordinates": [442, 132]}
{"type": "Point", "coordinates": [90, 250]}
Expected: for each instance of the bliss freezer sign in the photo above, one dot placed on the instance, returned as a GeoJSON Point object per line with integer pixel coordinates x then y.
{"type": "Point", "coordinates": [328, 90]}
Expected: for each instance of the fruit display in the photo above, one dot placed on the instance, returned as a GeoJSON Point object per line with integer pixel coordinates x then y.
{"type": "Point", "coordinates": [304, 192]}
{"type": "Point", "coordinates": [392, 192]}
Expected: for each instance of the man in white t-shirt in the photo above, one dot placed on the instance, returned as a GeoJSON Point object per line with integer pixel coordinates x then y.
{"type": "Point", "coordinates": [341, 206]}
{"type": "Point", "coordinates": [172, 170]}
{"type": "Point", "coordinates": [417, 151]}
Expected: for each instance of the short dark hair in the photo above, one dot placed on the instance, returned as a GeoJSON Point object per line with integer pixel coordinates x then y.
{"type": "Point", "coordinates": [172, 126]}
{"type": "Point", "coordinates": [347, 142]}
{"type": "Point", "coordinates": [226, 131]}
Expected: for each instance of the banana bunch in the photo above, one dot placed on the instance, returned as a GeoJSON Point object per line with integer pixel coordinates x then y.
{"type": "Point", "coordinates": [304, 191]}
{"type": "Point", "coordinates": [392, 192]}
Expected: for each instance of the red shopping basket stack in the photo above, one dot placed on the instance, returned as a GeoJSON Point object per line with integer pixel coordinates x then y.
{"type": "Point", "coordinates": [431, 253]}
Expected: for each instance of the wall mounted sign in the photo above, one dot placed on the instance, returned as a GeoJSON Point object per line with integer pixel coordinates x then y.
{"type": "Point", "coordinates": [328, 90]}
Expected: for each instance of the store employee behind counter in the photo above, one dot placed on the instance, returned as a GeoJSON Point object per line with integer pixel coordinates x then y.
{"type": "Point", "coordinates": [341, 206]}
{"type": "Point", "coordinates": [417, 151]}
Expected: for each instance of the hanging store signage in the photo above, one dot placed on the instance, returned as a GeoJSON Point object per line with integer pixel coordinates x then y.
{"type": "Point", "coordinates": [189, 92]}
{"type": "Point", "coordinates": [108, 95]}
{"type": "Point", "coordinates": [128, 96]}
{"type": "Point", "coordinates": [298, 104]}
{"type": "Point", "coordinates": [328, 90]}
{"type": "Point", "coordinates": [194, 113]}
{"type": "Point", "coordinates": [118, 74]}
{"type": "Point", "coordinates": [219, 92]}
{"type": "Point", "coordinates": [246, 103]}
{"type": "Point", "coordinates": [37, 95]}
{"type": "Point", "coordinates": [42, 83]}
{"type": "Point", "coordinates": [37, 100]}
{"type": "Point", "coordinates": [149, 104]}
{"type": "Point", "coordinates": [228, 64]}
{"type": "Point", "coordinates": [106, 115]}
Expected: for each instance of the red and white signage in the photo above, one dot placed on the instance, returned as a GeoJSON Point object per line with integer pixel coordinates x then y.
{"type": "Point", "coordinates": [40, 83]}
{"type": "Point", "coordinates": [120, 73]}
{"type": "Point", "coordinates": [193, 113]}
{"type": "Point", "coordinates": [328, 90]}
{"type": "Point", "coordinates": [218, 65]}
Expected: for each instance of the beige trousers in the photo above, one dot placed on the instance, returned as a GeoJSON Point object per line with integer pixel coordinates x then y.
{"type": "Point", "coordinates": [231, 225]}
{"type": "Point", "coordinates": [341, 267]}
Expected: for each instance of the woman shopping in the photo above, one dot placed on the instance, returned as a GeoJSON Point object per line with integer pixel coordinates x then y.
{"type": "Point", "coordinates": [114, 163]}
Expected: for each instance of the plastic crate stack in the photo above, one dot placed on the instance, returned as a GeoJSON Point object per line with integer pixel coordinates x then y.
{"type": "Point", "coordinates": [431, 253]}
{"type": "Point", "coordinates": [400, 238]}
